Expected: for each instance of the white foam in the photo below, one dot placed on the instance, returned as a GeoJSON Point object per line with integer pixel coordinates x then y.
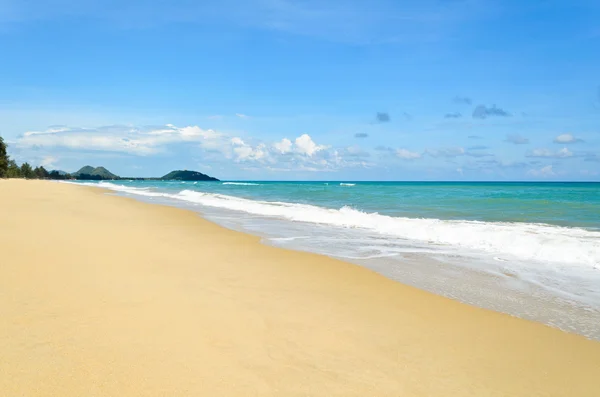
{"type": "Point", "coordinates": [347, 184]}
{"type": "Point", "coordinates": [241, 183]}
{"type": "Point", "coordinates": [525, 241]}
{"type": "Point", "coordinates": [283, 239]}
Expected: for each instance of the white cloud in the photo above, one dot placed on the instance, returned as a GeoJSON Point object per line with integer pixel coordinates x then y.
{"type": "Point", "coordinates": [564, 152]}
{"type": "Point", "coordinates": [48, 161]}
{"type": "Point", "coordinates": [303, 154]}
{"type": "Point", "coordinates": [285, 146]}
{"type": "Point", "coordinates": [566, 139]}
{"type": "Point", "coordinates": [49, 130]}
{"type": "Point", "coordinates": [545, 172]}
{"type": "Point", "coordinates": [125, 139]}
{"type": "Point", "coordinates": [299, 154]}
{"type": "Point", "coordinates": [407, 154]}
{"type": "Point", "coordinates": [242, 116]}
{"type": "Point", "coordinates": [244, 152]}
{"type": "Point", "coordinates": [547, 153]}
{"type": "Point", "coordinates": [305, 145]}
{"type": "Point", "coordinates": [237, 141]}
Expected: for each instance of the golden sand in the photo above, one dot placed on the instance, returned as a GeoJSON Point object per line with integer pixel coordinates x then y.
{"type": "Point", "coordinates": [105, 296]}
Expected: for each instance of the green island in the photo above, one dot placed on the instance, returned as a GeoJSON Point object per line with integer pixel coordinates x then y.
{"type": "Point", "coordinates": [102, 174]}
{"type": "Point", "coordinates": [10, 169]}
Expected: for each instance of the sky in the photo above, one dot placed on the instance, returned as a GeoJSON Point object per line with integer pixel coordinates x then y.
{"type": "Point", "coordinates": [491, 90]}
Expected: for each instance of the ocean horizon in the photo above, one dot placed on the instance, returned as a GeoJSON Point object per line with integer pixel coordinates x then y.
{"type": "Point", "coordinates": [530, 249]}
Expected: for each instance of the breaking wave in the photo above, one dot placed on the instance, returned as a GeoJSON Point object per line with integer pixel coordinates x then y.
{"type": "Point", "coordinates": [526, 241]}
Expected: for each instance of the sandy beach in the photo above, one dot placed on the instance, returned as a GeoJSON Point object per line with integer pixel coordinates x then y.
{"type": "Point", "coordinates": [106, 296]}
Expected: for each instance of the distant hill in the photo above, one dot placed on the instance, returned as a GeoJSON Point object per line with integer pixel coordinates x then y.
{"type": "Point", "coordinates": [88, 169]}
{"type": "Point", "coordinates": [187, 176]}
{"type": "Point", "coordinates": [97, 173]}
{"type": "Point", "coordinates": [100, 173]}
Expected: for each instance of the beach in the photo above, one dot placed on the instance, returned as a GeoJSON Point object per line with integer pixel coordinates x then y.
{"type": "Point", "coordinates": [107, 296]}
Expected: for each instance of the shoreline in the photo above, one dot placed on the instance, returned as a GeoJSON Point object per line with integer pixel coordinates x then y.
{"type": "Point", "coordinates": [166, 306]}
{"type": "Point", "coordinates": [519, 288]}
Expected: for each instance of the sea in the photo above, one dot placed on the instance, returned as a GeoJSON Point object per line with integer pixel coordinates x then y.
{"type": "Point", "coordinates": [531, 250]}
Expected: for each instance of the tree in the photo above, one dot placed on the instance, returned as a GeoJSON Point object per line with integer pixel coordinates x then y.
{"type": "Point", "coordinates": [41, 173]}
{"type": "Point", "coordinates": [3, 159]}
{"type": "Point", "coordinates": [27, 171]}
{"type": "Point", "coordinates": [13, 170]}
{"type": "Point", "coordinates": [57, 175]}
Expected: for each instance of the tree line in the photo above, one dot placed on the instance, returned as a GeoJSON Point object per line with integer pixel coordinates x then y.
{"type": "Point", "coordinates": [10, 169]}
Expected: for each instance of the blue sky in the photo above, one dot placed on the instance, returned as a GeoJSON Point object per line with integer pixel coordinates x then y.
{"type": "Point", "coordinates": [305, 89]}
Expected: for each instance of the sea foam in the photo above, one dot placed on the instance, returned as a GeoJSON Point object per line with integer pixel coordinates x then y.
{"type": "Point", "coordinates": [506, 240]}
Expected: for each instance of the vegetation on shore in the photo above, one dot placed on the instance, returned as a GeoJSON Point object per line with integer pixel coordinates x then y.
{"type": "Point", "coordinates": [187, 176]}
{"type": "Point", "coordinates": [10, 169]}
{"type": "Point", "coordinates": [99, 173]}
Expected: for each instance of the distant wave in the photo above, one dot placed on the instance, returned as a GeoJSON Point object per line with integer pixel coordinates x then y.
{"type": "Point", "coordinates": [241, 183]}
{"type": "Point", "coordinates": [529, 241]}
{"type": "Point", "coordinates": [347, 184]}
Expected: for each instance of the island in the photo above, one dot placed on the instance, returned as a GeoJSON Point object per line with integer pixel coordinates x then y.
{"type": "Point", "coordinates": [187, 176]}
{"type": "Point", "coordinates": [89, 173]}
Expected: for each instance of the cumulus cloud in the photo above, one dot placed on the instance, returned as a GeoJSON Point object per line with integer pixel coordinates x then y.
{"type": "Point", "coordinates": [455, 115]}
{"type": "Point", "coordinates": [462, 100]}
{"type": "Point", "coordinates": [406, 154]}
{"type": "Point", "coordinates": [544, 172]}
{"type": "Point", "coordinates": [283, 147]}
{"type": "Point", "coordinates": [547, 153]}
{"type": "Point", "coordinates": [483, 112]}
{"type": "Point", "coordinates": [243, 151]}
{"type": "Point", "coordinates": [516, 139]}
{"type": "Point", "coordinates": [305, 145]}
{"type": "Point", "coordinates": [301, 153]}
{"type": "Point", "coordinates": [382, 117]}
{"type": "Point", "coordinates": [566, 139]}
{"type": "Point", "coordinates": [361, 135]}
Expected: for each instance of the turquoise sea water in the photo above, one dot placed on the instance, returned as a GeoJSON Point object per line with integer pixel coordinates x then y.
{"type": "Point", "coordinates": [529, 249]}
{"type": "Point", "coordinates": [565, 204]}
